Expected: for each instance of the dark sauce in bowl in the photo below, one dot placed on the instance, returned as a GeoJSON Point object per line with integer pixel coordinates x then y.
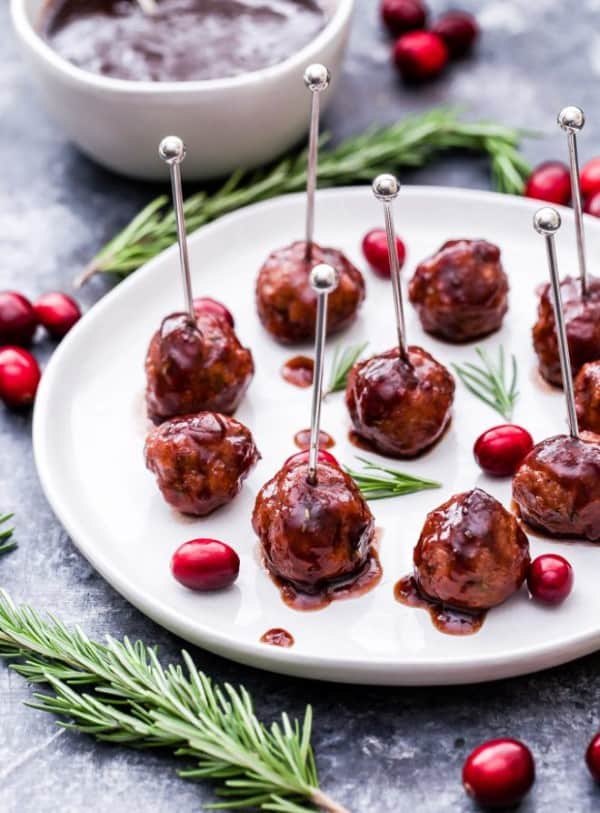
{"type": "Point", "coordinates": [184, 40]}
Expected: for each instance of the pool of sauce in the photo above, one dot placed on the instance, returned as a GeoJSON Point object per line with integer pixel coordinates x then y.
{"type": "Point", "coordinates": [183, 40]}
{"type": "Point", "coordinates": [302, 440]}
{"type": "Point", "coordinates": [277, 637]}
{"type": "Point", "coordinates": [445, 619]}
{"type": "Point", "coordinates": [298, 371]}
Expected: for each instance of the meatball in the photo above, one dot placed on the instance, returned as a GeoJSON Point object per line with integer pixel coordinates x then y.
{"type": "Point", "coordinates": [191, 368]}
{"type": "Point", "coordinates": [472, 553]}
{"type": "Point", "coordinates": [582, 320]}
{"type": "Point", "coordinates": [400, 407]}
{"type": "Point", "coordinates": [557, 487]}
{"type": "Point", "coordinates": [587, 397]}
{"type": "Point", "coordinates": [286, 302]}
{"type": "Point", "coordinates": [313, 535]}
{"type": "Point", "coordinates": [461, 292]}
{"type": "Point", "coordinates": [200, 461]}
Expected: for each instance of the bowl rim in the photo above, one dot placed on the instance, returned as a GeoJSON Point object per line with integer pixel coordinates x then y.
{"type": "Point", "coordinates": [26, 30]}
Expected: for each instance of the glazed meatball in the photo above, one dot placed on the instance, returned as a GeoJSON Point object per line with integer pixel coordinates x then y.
{"type": "Point", "coordinates": [195, 367]}
{"type": "Point", "coordinates": [472, 553]}
{"type": "Point", "coordinates": [582, 320]}
{"type": "Point", "coordinates": [200, 461]}
{"type": "Point", "coordinates": [313, 535]}
{"type": "Point", "coordinates": [461, 293]}
{"type": "Point", "coordinates": [400, 407]}
{"type": "Point", "coordinates": [286, 302]}
{"type": "Point", "coordinates": [557, 487]}
{"type": "Point", "coordinates": [587, 397]}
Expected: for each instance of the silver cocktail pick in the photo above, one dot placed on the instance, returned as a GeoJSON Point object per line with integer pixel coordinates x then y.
{"type": "Point", "coordinates": [571, 119]}
{"type": "Point", "coordinates": [172, 151]}
{"type": "Point", "coordinates": [316, 79]}
{"type": "Point", "coordinates": [546, 222]}
{"type": "Point", "coordinates": [386, 189]}
{"type": "Point", "coordinates": [323, 280]}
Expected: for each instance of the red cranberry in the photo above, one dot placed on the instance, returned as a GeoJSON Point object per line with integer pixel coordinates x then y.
{"type": "Point", "coordinates": [17, 319]}
{"type": "Point", "coordinates": [374, 246]}
{"type": "Point", "coordinates": [205, 564]}
{"type": "Point", "coordinates": [401, 16]}
{"type": "Point", "coordinates": [324, 457]}
{"type": "Point", "coordinates": [57, 312]}
{"type": "Point", "coordinates": [550, 578]}
{"type": "Point", "coordinates": [459, 30]}
{"type": "Point", "coordinates": [592, 757]}
{"type": "Point", "coordinates": [19, 376]}
{"type": "Point", "coordinates": [590, 178]}
{"type": "Point", "coordinates": [499, 451]}
{"type": "Point", "coordinates": [592, 205]}
{"type": "Point", "coordinates": [499, 773]}
{"type": "Point", "coordinates": [204, 304]}
{"type": "Point", "coordinates": [420, 55]}
{"type": "Point", "coordinates": [551, 182]}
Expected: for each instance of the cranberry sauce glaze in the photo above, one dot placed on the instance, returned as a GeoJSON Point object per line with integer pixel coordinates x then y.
{"type": "Point", "coordinates": [183, 40]}
{"type": "Point", "coordinates": [277, 637]}
{"type": "Point", "coordinates": [298, 371]}
{"type": "Point", "coordinates": [445, 619]}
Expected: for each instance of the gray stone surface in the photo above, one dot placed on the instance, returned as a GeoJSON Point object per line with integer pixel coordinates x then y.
{"type": "Point", "coordinates": [379, 750]}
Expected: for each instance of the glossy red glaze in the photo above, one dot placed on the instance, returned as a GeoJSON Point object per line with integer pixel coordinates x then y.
{"type": "Point", "coordinates": [459, 30]}
{"type": "Point", "coordinates": [420, 55]}
{"type": "Point", "coordinates": [19, 376]}
{"type": "Point", "coordinates": [499, 773]}
{"type": "Point", "coordinates": [205, 304]}
{"type": "Point", "coordinates": [551, 182]}
{"type": "Point", "coordinates": [401, 16]}
{"type": "Point", "coordinates": [374, 246]}
{"type": "Point", "coordinates": [57, 313]}
{"type": "Point", "coordinates": [592, 757]}
{"type": "Point", "coordinates": [589, 178]}
{"type": "Point", "coordinates": [205, 564]}
{"type": "Point", "coordinates": [592, 205]}
{"type": "Point", "coordinates": [303, 457]}
{"type": "Point", "coordinates": [550, 578]}
{"type": "Point", "coordinates": [18, 320]}
{"type": "Point", "coordinates": [499, 451]}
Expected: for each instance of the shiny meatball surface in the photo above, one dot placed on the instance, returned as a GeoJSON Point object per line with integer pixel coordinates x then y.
{"type": "Point", "coordinates": [200, 461]}
{"type": "Point", "coordinates": [557, 487]}
{"type": "Point", "coordinates": [472, 554]}
{"type": "Point", "coordinates": [587, 397]}
{"type": "Point", "coordinates": [461, 292]}
{"type": "Point", "coordinates": [287, 305]}
{"type": "Point", "coordinates": [191, 368]}
{"type": "Point", "coordinates": [400, 407]}
{"type": "Point", "coordinates": [312, 535]}
{"type": "Point", "coordinates": [582, 320]}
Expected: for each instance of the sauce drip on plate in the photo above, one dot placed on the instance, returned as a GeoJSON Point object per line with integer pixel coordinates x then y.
{"type": "Point", "coordinates": [302, 439]}
{"type": "Point", "coordinates": [277, 637]}
{"type": "Point", "coordinates": [298, 371]}
{"type": "Point", "coordinates": [445, 619]}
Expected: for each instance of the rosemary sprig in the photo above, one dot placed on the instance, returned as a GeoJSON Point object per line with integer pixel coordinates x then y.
{"type": "Point", "coordinates": [489, 382]}
{"type": "Point", "coordinates": [119, 692]}
{"type": "Point", "coordinates": [343, 361]}
{"type": "Point", "coordinates": [6, 541]}
{"type": "Point", "coordinates": [393, 483]}
{"type": "Point", "coordinates": [412, 142]}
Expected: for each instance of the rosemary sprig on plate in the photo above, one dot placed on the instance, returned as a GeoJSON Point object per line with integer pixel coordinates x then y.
{"type": "Point", "coordinates": [378, 482]}
{"type": "Point", "coordinates": [6, 541]}
{"type": "Point", "coordinates": [492, 382]}
{"type": "Point", "coordinates": [411, 142]}
{"type": "Point", "coordinates": [343, 361]}
{"type": "Point", "coordinates": [119, 692]}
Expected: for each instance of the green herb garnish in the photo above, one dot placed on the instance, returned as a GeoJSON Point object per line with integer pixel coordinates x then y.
{"type": "Point", "coordinates": [489, 382]}
{"type": "Point", "coordinates": [388, 483]}
{"type": "Point", "coordinates": [343, 361]}
{"type": "Point", "coordinates": [6, 542]}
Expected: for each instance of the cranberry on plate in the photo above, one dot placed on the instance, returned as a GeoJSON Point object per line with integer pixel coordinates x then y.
{"type": "Point", "coordinates": [499, 451]}
{"type": "Point", "coordinates": [18, 319]}
{"type": "Point", "coordinates": [205, 564]}
{"type": "Point", "coordinates": [19, 377]}
{"type": "Point", "coordinates": [401, 16]}
{"type": "Point", "coordinates": [420, 55]}
{"type": "Point", "coordinates": [592, 205]}
{"type": "Point", "coordinates": [550, 181]}
{"type": "Point", "coordinates": [550, 578]}
{"type": "Point", "coordinates": [375, 249]}
{"type": "Point", "coordinates": [499, 773]}
{"type": "Point", "coordinates": [323, 457]}
{"type": "Point", "coordinates": [590, 178]}
{"type": "Point", "coordinates": [57, 312]}
{"type": "Point", "coordinates": [459, 30]}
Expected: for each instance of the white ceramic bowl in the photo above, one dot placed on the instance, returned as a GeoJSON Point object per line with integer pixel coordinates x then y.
{"type": "Point", "coordinates": [243, 121]}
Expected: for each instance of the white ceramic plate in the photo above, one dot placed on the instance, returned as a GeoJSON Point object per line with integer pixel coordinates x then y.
{"type": "Point", "coordinates": [89, 431]}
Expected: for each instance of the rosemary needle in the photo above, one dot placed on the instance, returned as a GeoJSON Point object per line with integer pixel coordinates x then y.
{"type": "Point", "coordinates": [343, 361]}
{"type": "Point", "coordinates": [490, 383]}
{"type": "Point", "coordinates": [6, 543]}
{"type": "Point", "coordinates": [378, 482]}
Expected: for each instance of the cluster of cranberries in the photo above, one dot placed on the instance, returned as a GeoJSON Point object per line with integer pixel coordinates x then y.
{"type": "Point", "coordinates": [551, 182]}
{"type": "Point", "coordinates": [420, 52]}
{"type": "Point", "coordinates": [19, 320]}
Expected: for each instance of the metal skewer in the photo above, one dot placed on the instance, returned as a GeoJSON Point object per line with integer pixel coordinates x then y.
{"type": "Point", "coordinates": [547, 222]}
{"type": "Point", "coordinates": [316, 79]}
{"type": "Point", "coordinates": [571, 120]}
{"type": "Point", "coordinates": [386, 189]}
{"type": "Point", "coordinates": [172, 151]}
{"type": "Point", "coordinates": [323, 279]}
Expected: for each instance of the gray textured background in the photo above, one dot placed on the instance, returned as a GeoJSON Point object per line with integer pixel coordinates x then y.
{"type": "Point", "coordinates": [379, 750]}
